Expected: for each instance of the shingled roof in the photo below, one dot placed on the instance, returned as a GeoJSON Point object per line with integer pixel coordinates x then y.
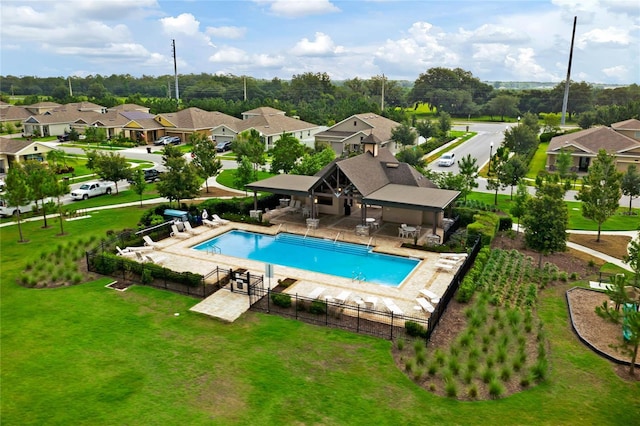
{"type": "Point", "coordinates": [631, 124]}
{"type": "Point", "coordinates": [592, 140]}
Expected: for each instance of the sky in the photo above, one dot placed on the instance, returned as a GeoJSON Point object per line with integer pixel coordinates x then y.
{"type": "Point", "coordinates": [508, 40]}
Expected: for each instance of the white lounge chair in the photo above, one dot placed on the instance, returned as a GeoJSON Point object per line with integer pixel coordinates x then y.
{"type": "Point", "coordinates": [176, 233]}
{"type": "Point", "coordinates": [391, 306]}
{"type": "Point", "coordinates": [424, 304]}
{"type": "Point", "coordinates": [342, 297]}
{"type": "Point", "coordinates": [150, 243]}
{"type": "Point", "coordinates": [147, 258]}
{"type": "Point", "coordinates": [434, 298]}
{"type": "Point", "coordinates": [218, 219]}
{"type": "Point", "coordinates": [125, 252]}
{"type": "Point", "coordinates": [211, 223]}
{"type": "Point", "coordinates": [316, 292]}
{"type": "Point", "coordinates": [444, 266]}
{"type": "Point", "coordinates": [370, 302]}
{"type": "Point", "coordinates": [191, 230]}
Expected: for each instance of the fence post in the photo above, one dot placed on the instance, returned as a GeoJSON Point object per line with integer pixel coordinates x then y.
{"type": "Point", "coordinates": [391, 325]}
{"type": "Point", "coordinates": [358, 323]}
{"type": "Point", "coordinates": [326, 312]}
{"type": "Point", "coordinates": [268, 301]}
{"type": "Point", "coordinates": [296, 308]}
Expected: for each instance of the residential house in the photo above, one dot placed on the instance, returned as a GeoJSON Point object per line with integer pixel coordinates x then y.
{"type": "Point", "coordinates": [17, 151]}
{"type": "Point", "coordinates": [271, 123]}
{"type": "Point", "coordinates": [347, 135]}
{"type": "Point", "coordinates": [212, 124]}
{"type": "Point", "coordinates": [621, 140]}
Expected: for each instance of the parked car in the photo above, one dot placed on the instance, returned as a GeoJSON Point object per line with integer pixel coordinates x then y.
{"type": "Point", "coordinates": [64, 137]}
{"type": "Point", "coordinates": [161, 140]}
{"type": "Point", "coordinates": [150, 175]}
{"type": "Point", "coordinates": [223, 146]}
{"type": "Point", "coordinates": [447, 159]}
{"type": "Point", "coordinates": [172, 140]}
{"type": "Point", "coordinates": [92, 189]}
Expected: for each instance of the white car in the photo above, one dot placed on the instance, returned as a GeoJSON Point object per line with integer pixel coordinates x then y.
{"type": "Point", "coordinates": [447, 159]}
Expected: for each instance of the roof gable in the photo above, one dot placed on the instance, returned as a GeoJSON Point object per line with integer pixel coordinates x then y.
{"type": "Point", "coordinates": [592, 140]}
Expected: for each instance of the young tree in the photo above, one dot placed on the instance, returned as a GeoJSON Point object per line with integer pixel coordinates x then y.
{"type": "Point", "coordinates": [563, 163]}
{"type": "Point", "coordinates": [520, 139]}
{"type": "Point", "coordinates": [181, 180]}
{"type": "Point", "coordinates": [633, 257]}
{"type": "Point", "coordinates": [112, 167]}
{"type": "Point", "coordinates": [600, 194]}
{"type": "Point", "coordinates": [404, 135]}
{"type": "Point", "coordinates": [138, 184]}
{"type": "Point", "coordinates": [513, 171]}
{"type": "Point", "coordinates": [551, 122]}
{"type": "Point", "coordinates": [496, 182]}
{"type": "Point", "coordinates": [545, 221]}
{"type": "Point", "coordinates": [17, 192]}
{"type": "Point", "coordinates": [95, 134]}
{"type": "Point", "coordinates": [55, 157]}
{"type": "Point", "coordinates": [425, 129]}
{"type": "Point", "coordinates": [518, 208]}
{"type": "Point", "coordinates": [630, 184]}
{"type": "Point", "coordinates": [468, 169]}
{"type": "Point", "coordinates": [286, 151]}
{"type": "Point", "coordinates": [204, 157]}
{"type": "Point", "coordinates": [502, 105]}
{"type": "Point", "coordinates": [58, 188]}
{"type": "Point", "coordinates": [444, 124]}
{"type": "Point", "coordinates": [40, 179]}
{"type": "Point", "coordinates": [250, 144]}
{"type": "Point", "coordinates": [530, 120]}
{"type": "Point", "coordinates": [313, 163]}
{"type": "Point", "coordinates": [244, 173]}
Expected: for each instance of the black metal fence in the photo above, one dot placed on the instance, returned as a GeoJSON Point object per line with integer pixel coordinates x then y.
{"type": "Point", "coordinates": [357, 318]}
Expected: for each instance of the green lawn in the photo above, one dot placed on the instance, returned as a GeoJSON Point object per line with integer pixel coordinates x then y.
{"type": "Point", "coordinates": [618, 222]}
{"type": "Point", "coordinates": [91, 355]}
{"type": "Point", "coordinates": [227, 178]}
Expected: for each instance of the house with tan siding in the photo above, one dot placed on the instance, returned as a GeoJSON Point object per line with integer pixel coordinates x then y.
{"type": "Point", "coordinates": [621, 140]}
{"type": "Point", "coordinates": [18, 151]}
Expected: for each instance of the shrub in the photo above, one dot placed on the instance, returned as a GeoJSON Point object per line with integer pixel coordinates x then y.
{"type": "Point", "coordinates": [451, 389]}
{"type": "Point", "coordinates": [495, 388]}
{"type": "Point", "coordinates": [539, 370]}
{"type": "Point", "coordinates": [414, 329]}
{"type": "Point", "coordinates": [488, 375]}
{"type": "Point", "coordinates": [505, 223]}
{"type": "Point", "coordinates": [146, 277]}
{"type": "Point", "coordinates": [421, 358]}
{"type": "Point", "coordinates": [473, 391]}
{"type": "Point", "coordinates": [318, 307]}
{"type": "Point", "coordinates": [400, 344]}
{"type": "Point", "coordinates": [505, 373]}
{"type": "Point", "coordinates": [281, 299]}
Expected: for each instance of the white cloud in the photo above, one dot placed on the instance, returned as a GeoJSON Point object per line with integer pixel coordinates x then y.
{"type": "Point", "coordinates": [298, 8]}
{"type": "Point", "coordinates": [610, 36]}
{"type": "Point", "coordinates": [229, 55]}
{"type": "Point", "coordinates": [524, 66]}
{"type": "Point", "coordinates": [107, 10]}
{"type": "Point", "coordinates": [490, 52]}
{"type": "Point", "coordinates": [185, 24]}
{"type": "Point", "coordinates": [321, 46]}
{"type": "Point", "coordinates": [226, 32]}
{"type": "Point", "coordinates": [619, 72]}
{"type": "Point", "coordinates": [491, 33]}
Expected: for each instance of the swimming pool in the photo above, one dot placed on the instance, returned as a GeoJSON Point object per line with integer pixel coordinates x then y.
{"type": "Point", "coordinates": [354, 261]}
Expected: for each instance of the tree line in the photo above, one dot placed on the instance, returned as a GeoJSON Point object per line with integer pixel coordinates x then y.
{"type": "Point", "coordinates": [315, 98]}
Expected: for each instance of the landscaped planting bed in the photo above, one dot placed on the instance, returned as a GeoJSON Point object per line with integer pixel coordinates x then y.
{"type": "Point", "coordinates": [502, 347]}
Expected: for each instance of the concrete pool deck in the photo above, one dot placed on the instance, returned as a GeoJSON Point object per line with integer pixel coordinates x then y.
{"type": "Point", "coordinates": [228, 306]}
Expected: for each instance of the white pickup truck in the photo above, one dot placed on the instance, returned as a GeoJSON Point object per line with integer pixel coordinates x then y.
{"type": "Point", "coordinates": [92, 189]}
{"type": "Point", "coordinates": [7, 210]}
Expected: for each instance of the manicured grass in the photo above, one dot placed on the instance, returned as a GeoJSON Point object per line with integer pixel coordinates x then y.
{"type": "Point", "coordinates": [463, 137]}
{"type": "Point", "coordinates": [227, 178]}
{"type": "Point", "coordinates": [619, 222]}
{"type": "Point", "coordinates": [91, 355]}
{"type": "Point", "coordinates": [539, 161]}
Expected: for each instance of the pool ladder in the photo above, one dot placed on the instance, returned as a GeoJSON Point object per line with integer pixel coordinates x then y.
{"type": "Point", "coordinates": [358, 276]}
{"type": "Point", "coordinates": [214, 250]}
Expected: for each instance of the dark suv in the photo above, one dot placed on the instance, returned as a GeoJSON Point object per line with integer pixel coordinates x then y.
{"type": "Point", "coordinates": [150, 175]}
{"type": "Point", "coordinates": [223, 146]}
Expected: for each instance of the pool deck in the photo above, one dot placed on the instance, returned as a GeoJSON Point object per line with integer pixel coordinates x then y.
{"type": "Point", "coordinates": [228, 306]}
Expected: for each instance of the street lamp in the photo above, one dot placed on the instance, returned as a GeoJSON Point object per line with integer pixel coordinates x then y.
{"type": "Point", "coordinates": [518, 120]}
{"type": "Point", "coordinates": [490, 154]}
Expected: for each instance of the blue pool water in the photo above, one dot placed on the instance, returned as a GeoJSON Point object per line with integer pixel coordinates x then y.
{"type": "Point", "coordinates": [314, 254]}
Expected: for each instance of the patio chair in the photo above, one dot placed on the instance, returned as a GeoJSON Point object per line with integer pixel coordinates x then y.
{"type": "Point", "coordinates": [218, 219]}
{"type": "Point", "coordinates": [316, 292]}
{"type": "Point", "coordinates": [191, 230]}
{"type": "Point", "coordinates": [125, 253]}
{"type": "Point", "coordinates": [434, 298]}
{"type": "Point", "coordinates": [150, 243]}
{"type": "Point", "coordinates": [370, 302]}
{"type": "Point", "coordinates": [424, 303]}
{"type": "Point", "coordinates": [402, 233]}
{"type": "Point", "coordinates": [391, 306]}
{"type": "Point", "coordinates": [444, 266]}
{"type": "Point", "coordinates": [176, 233]}
{"type": "Point", "coordinates": [211, 223]}
{"type": "Point", "coordinates": [342, 297]}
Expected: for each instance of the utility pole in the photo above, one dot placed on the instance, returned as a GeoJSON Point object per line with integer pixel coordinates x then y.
{"type": "Point", "coordinates": [565, 101]}
{"type": "Point", "coordinates": [244, 79]}
{"type": "Point", "coordinates": [70, 89]}
{"type": "Point", "coordinates": [382, 97]}
{"type": "Point", "coordinates": [175, 70]}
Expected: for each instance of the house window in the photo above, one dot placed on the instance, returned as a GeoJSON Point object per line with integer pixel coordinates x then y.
{"type": "Point", "coordinates": [355, 123]}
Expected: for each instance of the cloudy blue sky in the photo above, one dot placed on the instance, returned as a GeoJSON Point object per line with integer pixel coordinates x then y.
{"type": "Point", "coordinates": [508, 40]}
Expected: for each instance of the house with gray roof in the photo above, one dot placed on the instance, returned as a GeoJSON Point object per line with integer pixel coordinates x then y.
{"type": "Point", "coordinates": [621, 140]}
{"type": "Point", "coordinates": [347, 135]}
{"type": "Point", "coordinates": [271, 123]}
{"type": "Point", "coordinates": [215, 125]}
{"type": "Point", "coordinates": [374, 179]}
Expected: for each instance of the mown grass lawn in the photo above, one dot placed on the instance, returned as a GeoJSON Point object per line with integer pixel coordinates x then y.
{"type": "Point", "coordinates": [619, 222]}
{"type": "Point", "coordinates": [91, 355]}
